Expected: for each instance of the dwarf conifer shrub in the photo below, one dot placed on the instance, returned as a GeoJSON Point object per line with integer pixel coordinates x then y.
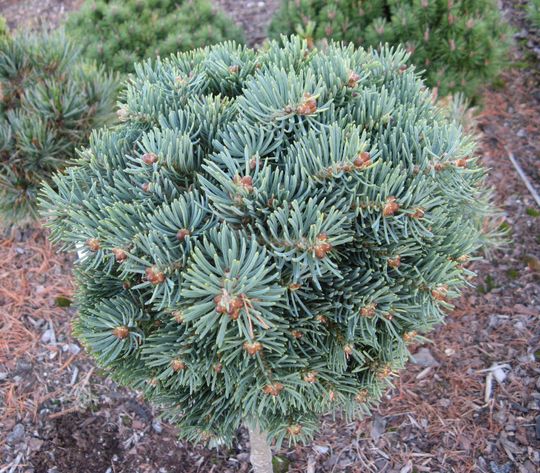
{"type": "Point", "coordinates": [266, 232]}
{"type": "Point", "coordinates": [461, 44]}
{"type": "Point", "coordinates": [49, 103]}
{"type": "Point", "coordinates": [120, 32]}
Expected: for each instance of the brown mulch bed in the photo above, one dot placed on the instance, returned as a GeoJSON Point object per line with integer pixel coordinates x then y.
{"type": "Point", "coordinates": [470, 402]}
{"type": "Point", "coordinates": [253, 16]}
{"type": "Point", "coordinates": [34, 14]}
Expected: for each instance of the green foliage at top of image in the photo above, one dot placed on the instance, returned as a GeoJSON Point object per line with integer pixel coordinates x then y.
{"type": "Point", "coordinates": [119, 33]}
{"type": "Point", "coordinates": [461, 44]}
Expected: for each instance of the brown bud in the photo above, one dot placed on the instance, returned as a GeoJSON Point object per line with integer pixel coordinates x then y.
{"type": "Point", "coordinates": [438, 166]}
{"type": "Point", "coordinates": [294, 286]}
{"type": "Point", "coordinates": [234, 69]}
{"type": "Point", "coordinates": [245, 182]}
{"type": "Point", "coordinates": [178, 315]}
{"type": "Point", "coordinates": [122, 114]}
{"type": "Point", "coordinates": [322, 319]}
{"type": "Point", "coordinates": [363, 160]}
{"type": "Point", "coordinates": [461, 163]}
{"type": "Point", "coordinates": [273, 389]}
{"type": "Point", "coordinates": [384, 372]}
{"type": "Point", "coordinates": [218, 367]}
{"type": "Point", "coordinates": [389, 316]}
{"type": "Point", "coordinates": [182, 234]}
{"type": "Point", "coordinates": [205, 436]}
{"type": "Point", "coordinates": [296, 334]}
{"type": "Point", "coordinates": [390, 207]}
{"type": "Point", "coordinates": [149, 158]}
{"type": "Point", "coordinates": [440, 292]}
{"type": "Point", "coordinates": [332, 395]}
{"type": "Point", "coordinates": [146, 187]}
{"type": "Point", "coordinates": [153, 382]}
{"type": "Point", "coordinates": [310, 377]}
{"type": "Point", "coordinates": [121, 332]}
{"type": "Point", "coordinates": [308, 106]}
{"type": "Point", "coordinates": [93, 244]}
{"type": "Point", "coordinates": [368, 310]}
{"type": "Point", "coordinates": [177, 365]}
{"type": "Point", "coordinates": [323, 246]}
{"type": "Point", "coordinates": [154, 275]}
{"type": "Point", "coordinates": [348, 349]}
{"type": "Point", "coordinates": [353, 79]}
{"type": "Point", "coordinates": [294, 429]}
{"type": "Point", "coordinates": [394, 262]}
{"type": "Point", "coordinates": [228, 304]}
{"type": "Point", "coordinates": [418, 213]}
{"type": "Point", "coordinates": [253, 348]}
{"type": "Point", "coordinates": [409, 337]}
{"type": "Point", "coordinates": [119, 254]}
{"type": "Point", "coordinates": [126, 285]}
{"type": "Point", "coordinates": [362, 396]}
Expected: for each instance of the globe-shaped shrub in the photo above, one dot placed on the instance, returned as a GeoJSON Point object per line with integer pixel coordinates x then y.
{"type": "Point", "coordinates": [461, 44]}
{"type": "Point", "coordinates": [266, 232]}
{"type": "Point", "coordinates": [120, 32]}
{"type": "Point", "coordinates": [49, 102]}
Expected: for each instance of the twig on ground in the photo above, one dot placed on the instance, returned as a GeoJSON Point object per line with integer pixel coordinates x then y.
{"type": "Point", "coordinates": [524, 177]}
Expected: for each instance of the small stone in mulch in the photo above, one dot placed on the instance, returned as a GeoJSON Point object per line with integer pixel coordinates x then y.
{"type": "Point", "coordinates": [506, 468]}
{"type": "Point", "coordinates": [16, 435]}
{"type": "Point", "coordinates": [423, 357]}
{"type": "Point", "coordinates": [377, 427]}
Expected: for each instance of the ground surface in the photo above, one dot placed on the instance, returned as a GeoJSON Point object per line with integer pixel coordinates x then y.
{"type": "Point", "coordinates": [470, 403]}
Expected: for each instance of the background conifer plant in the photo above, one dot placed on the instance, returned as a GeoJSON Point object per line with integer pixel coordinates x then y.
{"type": "Point", "coordinates": [461, 44]}
{"type": "Point", "coordinates": [119, 33]}
{"type": "Point", "coordinates": [266, 232]}
{"type": "Point", "coordinates": [49, 103]}
{"type": "Point", "coordinates": [4, 29]}
{"type": "Point", "coordinates": [533, 13]}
